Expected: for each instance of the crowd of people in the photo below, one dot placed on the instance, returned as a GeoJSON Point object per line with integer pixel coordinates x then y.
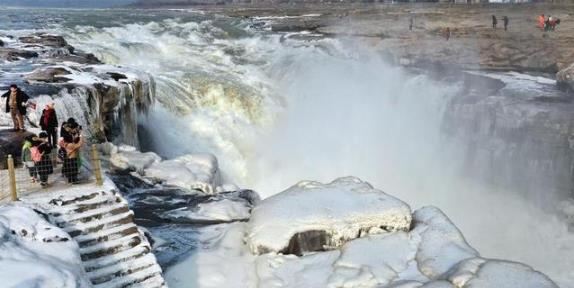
{"type": "Point", "coordinates": [37, 150]}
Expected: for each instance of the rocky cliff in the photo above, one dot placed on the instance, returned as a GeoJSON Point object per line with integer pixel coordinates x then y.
{"type": "Point", "coordinates": [104, 99]}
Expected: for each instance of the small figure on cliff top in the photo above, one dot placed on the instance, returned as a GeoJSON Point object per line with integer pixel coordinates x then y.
{"type": "Point", "coordinates": [494, 22]}
{"type": "Point", "coordinates": [505, 20]}
{"type": "Point", "coordinates": [49, 123]}
{"type": "Point", "coordinates": [16, 104]}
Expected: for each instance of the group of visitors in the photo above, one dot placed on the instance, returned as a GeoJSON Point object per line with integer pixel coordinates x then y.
{"type": "Point", "coordinates": [37, 150]}
{"type": "Point", "coordinates": [548, 23]}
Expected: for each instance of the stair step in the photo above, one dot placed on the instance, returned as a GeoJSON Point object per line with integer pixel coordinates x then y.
{"type": "Point", "coordinates": [106, 234]}
{"type": "Point", "coordinates": [124, 256]}
{"type": "Point", "coordinates": [88, 205]}
{"type": "Point", "coordinates": [134, 278]}
{"type": "Point", "coordinates": [64, 202]}
{"type": "Point", "coordinates": [154, 282]}
{"type": "Point", "coordinates": [121, 269]}
{"type": "Point", "coordinates": [111, 247]}
{"type": "Point", "coordinates": [94, 226]}
{"type": "Point", "coordinates": [92, 215]}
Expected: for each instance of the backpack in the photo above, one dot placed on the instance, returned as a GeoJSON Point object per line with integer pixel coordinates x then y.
{"type": "Point", "coordinates": [36, 155]}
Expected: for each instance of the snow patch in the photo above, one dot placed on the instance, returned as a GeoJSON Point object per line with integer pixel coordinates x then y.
{"type": "Point", "coordinates": [36, 253]}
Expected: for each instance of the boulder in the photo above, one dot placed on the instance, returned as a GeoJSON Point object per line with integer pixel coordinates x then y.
{"type": "Point", "coordinates": [197, 172]}
{"type": "Point", "coordinates": [441, 246]}
{"type": "Point", "coordinates": [565, 78]}
{"type": "Point", "coordinates": [48, 75]}
{"type": "Point", "coordinates": [13, 54]}
{"type": "Point", "coordinates": [327, 214]}
{"type": "Point", "coordinates": [127, 159]}
{"type": "Point", "coordinates": [48, 40]}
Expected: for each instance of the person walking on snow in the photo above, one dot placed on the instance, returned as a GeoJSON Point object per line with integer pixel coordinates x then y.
{"type": "Point", "coordinates": [49, 123]}
{"type": "Point", "coordinates": [16, 101]}
{"type": "Point", "coordinates": [494, 22]}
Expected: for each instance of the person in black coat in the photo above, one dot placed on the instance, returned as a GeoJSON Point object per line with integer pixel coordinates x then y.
{"type": "Point", "coordinates": [44, 167]}
{"type": "Point", "coordinates": [49, 123]}
{"type": "Point", "coordinates": [16, 101]}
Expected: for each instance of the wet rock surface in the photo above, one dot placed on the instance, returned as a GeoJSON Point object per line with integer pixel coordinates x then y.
{"type": "Point", "coordinates": [175, 236]}
{"type": "Point", "coordinates": [106, 99]}
{"type": "Point", "coordinates": [11, 144]}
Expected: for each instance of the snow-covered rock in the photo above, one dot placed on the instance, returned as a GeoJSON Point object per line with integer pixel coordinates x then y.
{"type": "Point", "coordinates": [35, 253]}
{"type": "Point", "coordinates": [193, 172]}
{"type": "Point", "coordinates": [336, 213]}
{"type": "Point", "coordinates": [225, 210]}
{"type": "Point", "coordinates": [428, 252]}
{"type": "Point", "coordinates": [484, 273]}
{"type": "Point", "coordinates": [127, 158]}
{"type": "Point", "coordinates": [441, 245]}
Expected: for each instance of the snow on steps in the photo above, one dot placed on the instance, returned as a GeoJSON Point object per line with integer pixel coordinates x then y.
{"type": "Point", "coordinates": [114, 252]}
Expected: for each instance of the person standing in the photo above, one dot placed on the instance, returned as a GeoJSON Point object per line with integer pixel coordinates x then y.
{"type": "Point", "coordinates": [71, 168]}
{"type": "Point", "coordinates": [49, 123]}
{"type": "Point", "coordinates": [494, 22]}
{"type": "Point", "coordinates": [505, 20]}
{"type": "Point", "coordinates": [16, 101]}
{"type": "Point", "coordinates": [42, 159]}
{"type": "Point", "coordinates": [29, 143]}
{"type": "Point", "coordinates": [411, 23]}
{"type": "Point", "coordinates": [541, 21]}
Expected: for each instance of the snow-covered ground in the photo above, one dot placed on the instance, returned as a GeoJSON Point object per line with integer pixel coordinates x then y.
{"type": "Point", "coordinates": [35, 253]}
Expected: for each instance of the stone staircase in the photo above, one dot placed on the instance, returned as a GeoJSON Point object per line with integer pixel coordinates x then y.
{"type": "Point", "coordinates": [114, 252]}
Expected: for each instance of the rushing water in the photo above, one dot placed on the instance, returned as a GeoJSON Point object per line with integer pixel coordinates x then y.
{"type": "Point", "coordinates": [276, 110]}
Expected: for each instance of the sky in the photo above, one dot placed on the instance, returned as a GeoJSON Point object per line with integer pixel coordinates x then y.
{"type": "Point", "coordinates": [65, 3]}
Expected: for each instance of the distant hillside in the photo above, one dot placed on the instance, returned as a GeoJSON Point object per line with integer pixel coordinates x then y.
{"type": "Point", "coordinates": [66, 3]}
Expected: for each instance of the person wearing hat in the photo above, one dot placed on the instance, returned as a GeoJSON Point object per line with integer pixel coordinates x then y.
{"type": "Point", "coordinates": [16, 101]}
{"type": "Point", "coordinates": [49, 123]}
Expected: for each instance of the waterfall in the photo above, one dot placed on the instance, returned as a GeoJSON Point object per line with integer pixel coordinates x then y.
{"type": "Point", "coordinates": [275, 110]}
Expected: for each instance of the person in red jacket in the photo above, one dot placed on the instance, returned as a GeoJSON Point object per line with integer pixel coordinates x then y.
{"type": "Point", "coordinates": [49, 123]}
{"type": "Point", "coordinates": [541, 21]}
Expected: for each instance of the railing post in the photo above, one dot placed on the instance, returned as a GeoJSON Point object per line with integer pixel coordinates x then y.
{"type": "Point", "coordinates": [12, 176]}
{"type": "Point", "coordinates": [97, 166]}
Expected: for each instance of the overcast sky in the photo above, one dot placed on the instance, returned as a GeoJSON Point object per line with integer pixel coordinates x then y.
{"type": "Point", "coordinates": [65, 3]}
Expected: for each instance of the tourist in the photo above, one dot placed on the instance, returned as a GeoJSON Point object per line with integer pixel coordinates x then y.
{"type": "Point", "coordinates": [541, 21]}
{"type": "Point", "coordinates": [30, 142]}
{"type": "Point", "coordinates": [447, 33]}
{"type": "Point", "coordinates": [49, 123]}
{"type": "Point", "coordinates": [411, 23]}
{"type": "Point", "coordinates": [71, 167]}
{"type": "Point", "coordinates": [42, 159]}
{"type": "Point", "coordinates": [70, 127]}
{"type": "Point", "coordinates": [16, 101]}
{"type": "Point", "coordinates": [494, 22]}
{"type": "Point", "coordinates": [505, 21]}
